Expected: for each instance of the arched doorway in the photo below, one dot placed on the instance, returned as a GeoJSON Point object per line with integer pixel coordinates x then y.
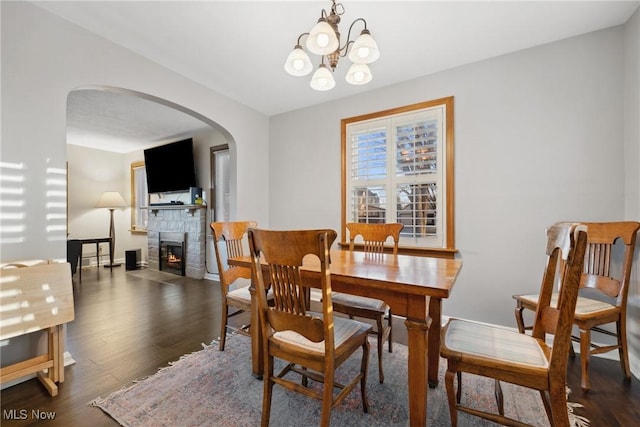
{"type": "Point", "coordinates": [107, 129]}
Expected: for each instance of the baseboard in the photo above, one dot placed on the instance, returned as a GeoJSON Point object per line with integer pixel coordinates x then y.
{"type": "Point", "coordinates": [212, 276]}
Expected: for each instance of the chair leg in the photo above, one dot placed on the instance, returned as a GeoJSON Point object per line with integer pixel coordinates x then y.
{"type": "Point", "coordinates": [380, 347]}
{"type": "Point", "coordinates": [390, 339]}
{"type": "Point", "coordinates": [585, 353]}
{"type": "Point", "coordinates": [451, 393]}
{"type": "Point", "coordinates": [223, 327]}
{"type": "Point", "coordinates": [547, 406]}
{"type": "Point", "coordinates": [364, 368]}
{"type": "Point", "coordinates": [268, 389]}
{"type": "Point", "coordinates": [572, 352]}
{"type": "Point", "coordinates": [558, 402]}
{"type": "Point", "coordinates": [305, 379]}
{"type": "Point", "coordinates": [519, 317]}
{"type": "Point", "coordinates": [499, 397]}
{"type": "Point", "coordinates": [621, 328]}
{"type": "Point", "coordinates": [327, 398]}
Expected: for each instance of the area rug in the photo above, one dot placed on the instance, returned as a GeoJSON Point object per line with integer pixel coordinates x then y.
{"type": "Point", "coordinates": [214, 388]}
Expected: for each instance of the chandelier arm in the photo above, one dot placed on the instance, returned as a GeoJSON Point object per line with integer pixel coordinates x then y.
{"type": "Point", "coordinates": [300, 37]}
{"type": "Point", "coordinates": [343, 50]}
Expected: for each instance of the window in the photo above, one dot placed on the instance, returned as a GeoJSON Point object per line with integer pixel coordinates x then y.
{"type": "Point", "coordinates": [139, 198]}
{"type": "Point", "coordinates": [398, 167]}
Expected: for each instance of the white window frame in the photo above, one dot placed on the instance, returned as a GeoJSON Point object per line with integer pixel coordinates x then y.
{"type": "Point", "coordinates": [139, 198]}
{"type": "Point", "coordinates": [439, 239]}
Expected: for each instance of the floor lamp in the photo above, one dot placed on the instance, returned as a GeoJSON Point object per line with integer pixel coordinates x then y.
{"type": "Point", "coordinates": [111, 200]}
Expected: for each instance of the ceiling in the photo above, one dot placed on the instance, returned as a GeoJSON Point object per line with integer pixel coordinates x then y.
{"type": "Point", "coordinates": [238, 48]}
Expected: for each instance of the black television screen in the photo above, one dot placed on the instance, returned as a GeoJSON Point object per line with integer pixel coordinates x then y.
{"type": "Point", "coordinates": [170, 167]}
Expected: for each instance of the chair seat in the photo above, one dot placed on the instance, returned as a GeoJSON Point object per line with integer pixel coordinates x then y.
{"type": "Point", "coordinates": [343, 330]}
{"type": "Point", "coordinates": [498, 344]}
{"type": "Point", "coordinates": [357, 301]}
{"type": "Point", "coordinates": [584, 307]}
{"type": "Point", "coordinates": [240, 294]}
{"type": "Point", "coordinates": [239, 291]}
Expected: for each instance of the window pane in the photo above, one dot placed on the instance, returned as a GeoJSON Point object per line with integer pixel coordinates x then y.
{"type": "Point", "coordinates": [369, 204]}
{"type": "Point", "coordinates": [369, 154]}
{"type": "Point", "coordinates": [417, 209]}
{"type": "Point", "coordinates": [417, 148]}
{"type": "Point", "coordinates": [139, 197]}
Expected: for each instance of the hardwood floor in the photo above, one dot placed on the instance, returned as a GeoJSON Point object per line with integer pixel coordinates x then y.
{"type": "Point", "coordinates": [127, 326]}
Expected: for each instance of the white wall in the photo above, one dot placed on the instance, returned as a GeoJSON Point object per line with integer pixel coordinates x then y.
{"type": "Point", "coordinates": [539, 138]}
{"type": "Point", "coordinates": [52, 58]}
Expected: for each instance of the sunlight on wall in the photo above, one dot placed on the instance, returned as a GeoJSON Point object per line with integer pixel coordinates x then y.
{"type": "Point", "coordinates": [56, 205]}
{"type": "Point", "coordinates": [12, 202]}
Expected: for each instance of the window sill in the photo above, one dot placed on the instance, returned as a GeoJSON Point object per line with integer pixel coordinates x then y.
{"type": "Point", "coordinates": [415, 251]}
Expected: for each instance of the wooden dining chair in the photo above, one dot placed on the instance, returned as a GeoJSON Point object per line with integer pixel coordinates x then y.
{"type": "Point", "coordinates": [313, 344]}
{"type": "Point", "coordinates": [234, 281]}
{"type": "Point", "coordinates": [603, 294]}
{"type": "Point", "coordinates": [374, 237]}
{"type": "Point", "coordinates": [522, 359]}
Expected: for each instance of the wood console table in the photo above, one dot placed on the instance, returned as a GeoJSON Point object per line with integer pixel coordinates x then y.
{"type": "Point", "coordinates": [96, 241]}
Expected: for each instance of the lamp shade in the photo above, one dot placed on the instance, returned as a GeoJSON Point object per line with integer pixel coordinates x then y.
{"type": "Point", "coordinates": [364, 49]}
{"type": "Point", "coordinates": [298, 62]}
{"type": "Point", "coordinates": [112, 200]}
{"type": "Point", "coordinates": [322, 39]}
{"type": "Point", "coordinates": [322, 79]}
{"type": "Point", "coordinates": [358, 74]}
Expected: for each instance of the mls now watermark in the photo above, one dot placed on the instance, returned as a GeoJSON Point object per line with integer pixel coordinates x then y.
{"type": "Point", "coordinates": [25, 414]}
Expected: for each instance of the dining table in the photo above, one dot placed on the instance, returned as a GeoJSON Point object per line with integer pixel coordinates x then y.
{"type": "Point", "coordinates": [413, 286]}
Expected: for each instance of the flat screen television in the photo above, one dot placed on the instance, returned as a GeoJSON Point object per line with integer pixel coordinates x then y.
{"type": "Point", "coordinates": [170, 167]}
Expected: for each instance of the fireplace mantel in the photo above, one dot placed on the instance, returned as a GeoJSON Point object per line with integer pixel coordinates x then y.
{"type": "Point", "coordinates": [190, 209]}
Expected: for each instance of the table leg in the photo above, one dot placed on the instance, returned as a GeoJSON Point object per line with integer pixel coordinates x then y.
{"type": "Point", "coordinates": [435, 314]}
{"type": "Point", "coordinates": [417, 324]}
{"type": "Point", "coordinates": [80, 264]}
{"type": "Point", "coordinates": [417, 371]}
{"type": "Point", "coordinates": [98, 254]}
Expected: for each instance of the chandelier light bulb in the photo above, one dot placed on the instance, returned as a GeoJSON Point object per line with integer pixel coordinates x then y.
{"type": "Point", "coordinates": [298, 62]}
{"type": "Point", "coordinates": [322, 79]}
{"type": "Point", "coordinates": [359, 74]}
{"type": "Point", "coordinates": [363, 52]}
{"type": "Point", "coordinates": [364, 49]}
{"type": "Point", "coordinates": [322, 39]}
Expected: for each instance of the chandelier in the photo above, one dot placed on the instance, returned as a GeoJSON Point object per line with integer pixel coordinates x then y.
{"type": "Point", "coordinates": [324, 40]}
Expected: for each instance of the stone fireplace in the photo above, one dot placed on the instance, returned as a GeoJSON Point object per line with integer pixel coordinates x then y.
{"type": "Point", "coordinates": [176, 239]}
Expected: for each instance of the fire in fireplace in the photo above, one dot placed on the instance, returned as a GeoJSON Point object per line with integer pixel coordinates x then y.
{"type": "Point", "coordinates": [172, 257]}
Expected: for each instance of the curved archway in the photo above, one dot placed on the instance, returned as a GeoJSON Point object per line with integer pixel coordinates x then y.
{"type": "Point", "coordinates": [217, 135]}
{"type": "Point", "coordinates": [160, 101]}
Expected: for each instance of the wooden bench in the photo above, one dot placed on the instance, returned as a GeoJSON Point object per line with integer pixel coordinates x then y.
{"type": "Point", "coordinates": [34, 299]}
